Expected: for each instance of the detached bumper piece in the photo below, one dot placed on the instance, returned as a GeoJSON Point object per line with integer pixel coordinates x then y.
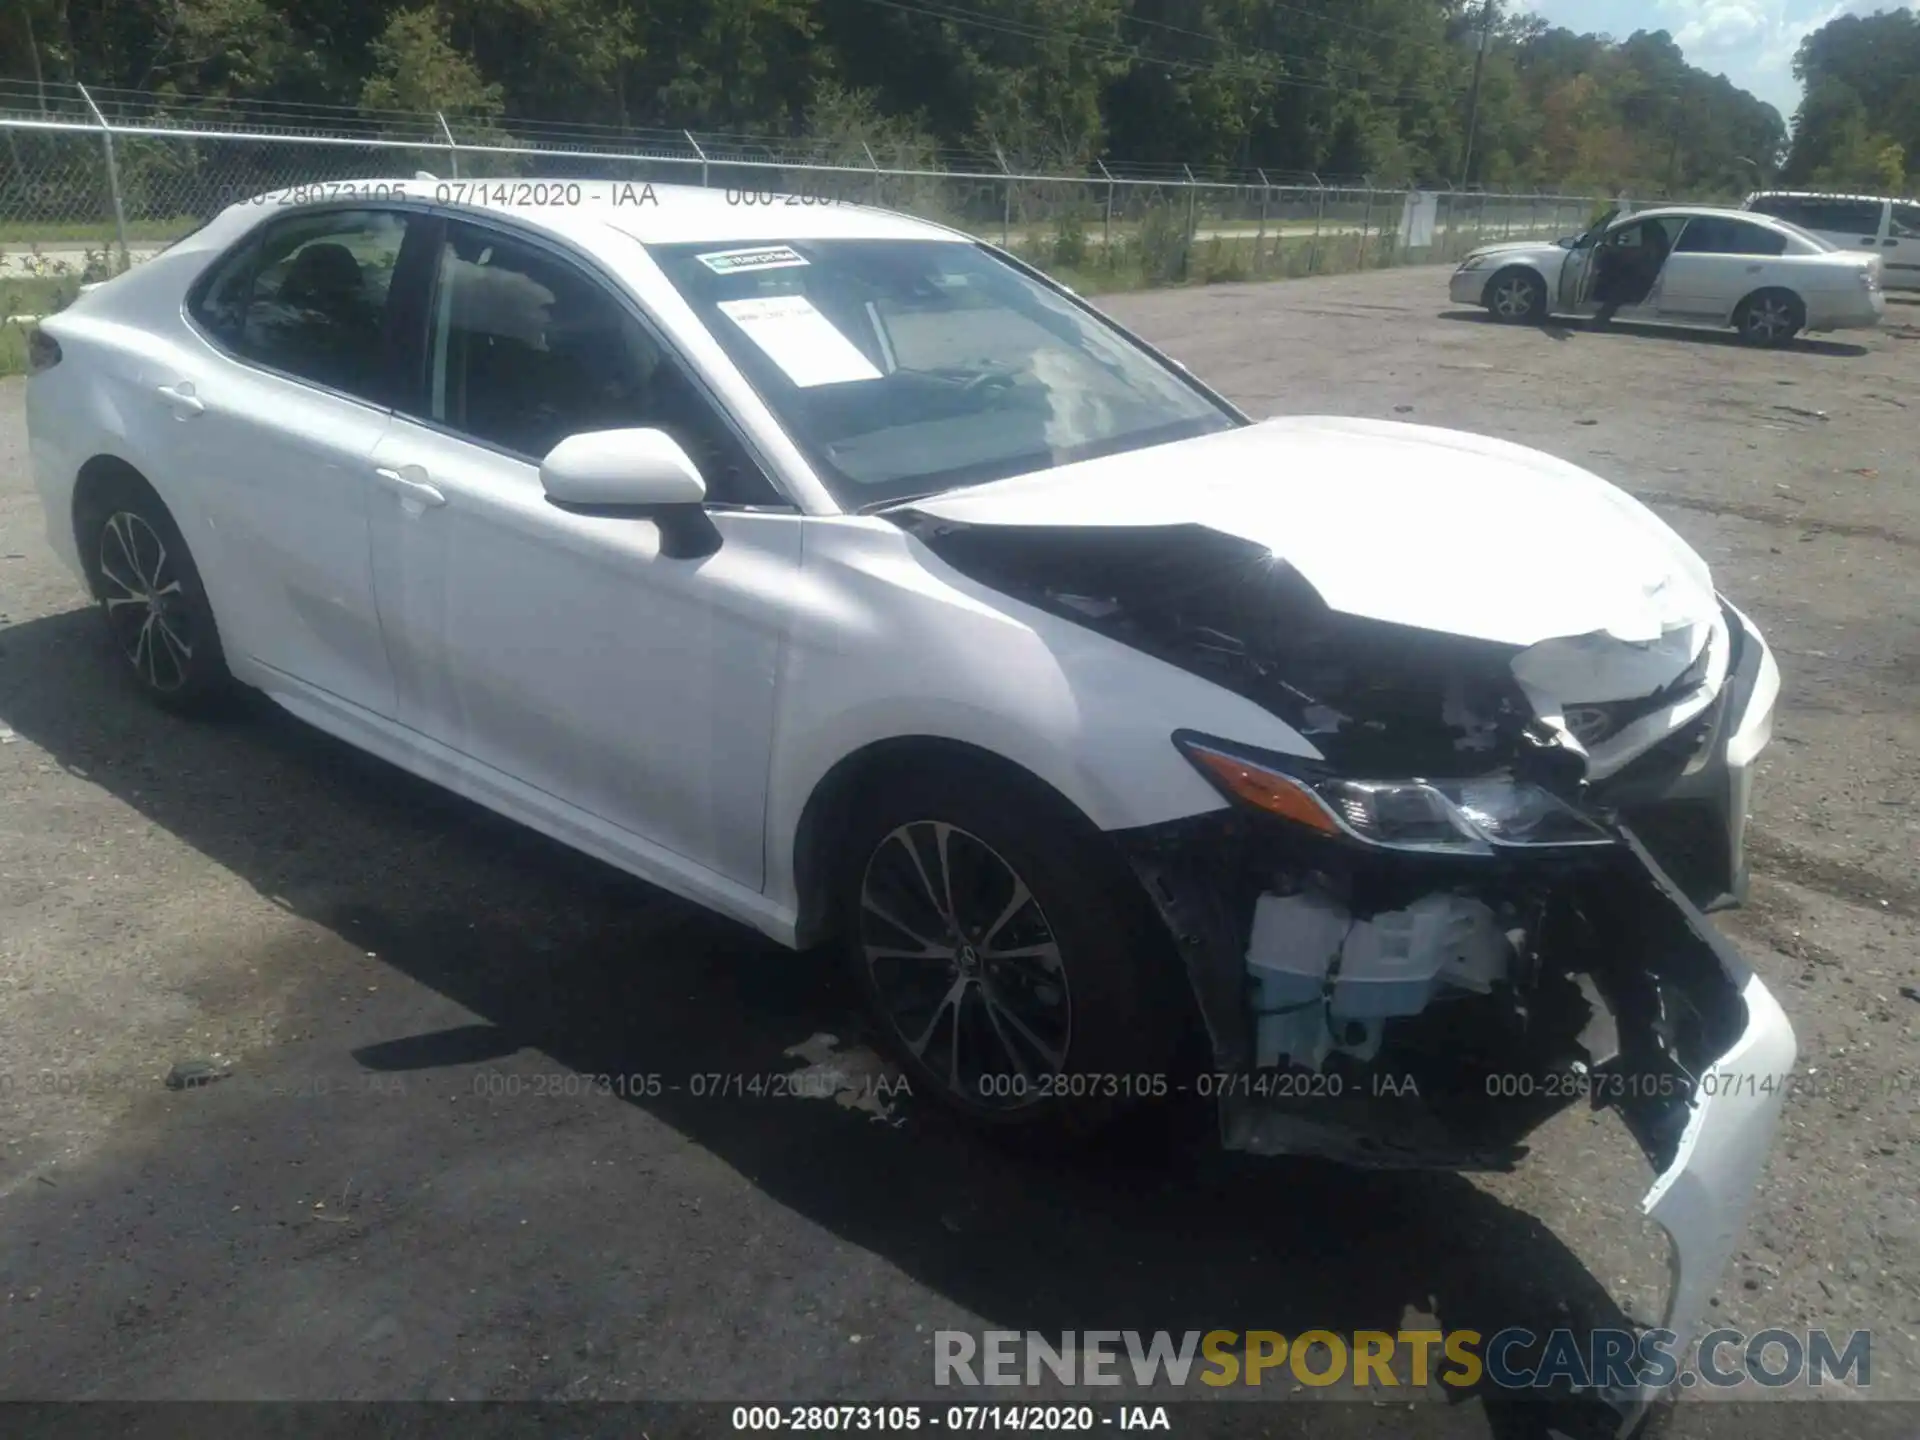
{"type": "Point", "coordinates": [1405, 1011]}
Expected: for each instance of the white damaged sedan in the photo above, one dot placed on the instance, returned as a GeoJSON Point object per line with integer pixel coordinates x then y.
{"type": "Point", "coordinates": [845, 576]}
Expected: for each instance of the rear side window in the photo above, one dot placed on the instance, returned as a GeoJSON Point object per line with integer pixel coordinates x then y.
{"type": "Point", "coordinates": [1720, 235]}
{"type": "Point", "coordinates": [1855, 218]}
{"type": "Point", "coordinates": [308, 297]}
{"type": "Point", "coordinates": [1906, 222]}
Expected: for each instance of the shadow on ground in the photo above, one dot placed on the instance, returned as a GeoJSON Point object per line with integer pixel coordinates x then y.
{"type": "Point", "coordinates": [1675, 334]}
{"type": "Point", "coordinates": [556, 956]}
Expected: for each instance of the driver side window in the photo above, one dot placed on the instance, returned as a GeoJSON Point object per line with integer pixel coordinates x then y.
{"type": "Point", "coordinates": [525, 349]}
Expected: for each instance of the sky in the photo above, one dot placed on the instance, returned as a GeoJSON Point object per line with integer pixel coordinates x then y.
{"type": "Point", "coordinates": [1751, 42]}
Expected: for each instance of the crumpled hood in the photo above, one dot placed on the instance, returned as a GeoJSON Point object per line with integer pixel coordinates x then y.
{"type": "Point", "coordinates": [1408, 524]}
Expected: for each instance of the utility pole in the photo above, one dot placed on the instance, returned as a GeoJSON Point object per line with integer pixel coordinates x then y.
{"type": "Point", "coordinates": [1473, 95]}
{"type": "Point", "coordinates": [1673, 154]}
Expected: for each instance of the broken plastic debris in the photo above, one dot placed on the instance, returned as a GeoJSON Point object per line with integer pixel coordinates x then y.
{"type": "Point", "coordinates": [188, 1074]}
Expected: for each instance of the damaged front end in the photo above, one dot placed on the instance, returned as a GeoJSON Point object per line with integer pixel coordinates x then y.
{"type": "Point", "coordinates": [1398, 1009]}
{"type": "Point", "coordinates": [1416, 944]}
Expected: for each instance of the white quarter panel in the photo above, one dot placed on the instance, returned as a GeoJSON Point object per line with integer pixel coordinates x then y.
{"type": "Point", "coordinates": [268, 481]}
{"type": "Point", "coordinates": [888, 641]}
{"type": "Point", "coordinates": [568, 652]}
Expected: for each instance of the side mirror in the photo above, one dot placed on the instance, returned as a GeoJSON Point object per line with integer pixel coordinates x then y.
{"type": "Point", "coordinates": [633, 474]}
{"type": "Point", "coordinates": [621, 469]}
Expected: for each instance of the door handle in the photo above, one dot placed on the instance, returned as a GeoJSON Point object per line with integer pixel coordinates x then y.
{"type": "Point", "coordinates": [185, 403]}
{"type": "Point", "coordinates": [1869, 239]}
{"type": "Point", "coordinates": [408, 488]}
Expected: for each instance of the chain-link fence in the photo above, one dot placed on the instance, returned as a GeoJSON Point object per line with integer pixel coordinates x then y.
{"type": "Point", "coordinates": [92, 182]}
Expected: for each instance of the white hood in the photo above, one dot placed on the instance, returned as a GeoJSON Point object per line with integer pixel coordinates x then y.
{"type": "Point", "coordinates": [1408, 524]}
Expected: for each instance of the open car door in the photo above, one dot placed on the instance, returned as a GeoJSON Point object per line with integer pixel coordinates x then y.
{"type": "Point", "coordinates": [1576, 276]}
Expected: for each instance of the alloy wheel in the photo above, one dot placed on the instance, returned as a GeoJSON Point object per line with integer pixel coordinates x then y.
{"type": "Point", "coordinates": [1770, 319]}
{"type": "Point", "coordinates": [964, 964]}
{"type": "Point", "coordinates": [146, 608]}
{"type": "Point", "coordinates": [1513, 298]}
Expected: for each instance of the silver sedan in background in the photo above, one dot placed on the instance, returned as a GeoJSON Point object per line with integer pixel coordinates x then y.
{"type": "Point", "coordinates": [1766, 279]}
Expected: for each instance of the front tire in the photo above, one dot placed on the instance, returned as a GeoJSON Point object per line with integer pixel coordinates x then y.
{"type": "Point", "coordinates": [1770, 318]}
{"type": "Point", "coordinates": [1010, 958]}
{"type": "Point", "coordinates": [151, 596]}
{"type": "Point", "coordinates": [1517, 297]}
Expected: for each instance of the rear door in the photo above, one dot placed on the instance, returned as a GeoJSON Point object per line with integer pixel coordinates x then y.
{"type": "Point", "coordinates": [1718, 261]}
{"type": "Point", "coordinates": [278, 411]}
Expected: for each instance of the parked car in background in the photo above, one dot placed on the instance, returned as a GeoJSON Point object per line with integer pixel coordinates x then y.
{"type": "Point", "coordinates": [1870, 224]}
{"type": "Point", "coordinates": [1766, 278]}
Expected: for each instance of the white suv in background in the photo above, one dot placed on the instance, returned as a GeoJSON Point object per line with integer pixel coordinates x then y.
{"type": "Point", "coordinates": [1873, 223]}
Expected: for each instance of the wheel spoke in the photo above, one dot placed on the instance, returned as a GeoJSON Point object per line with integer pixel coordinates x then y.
{"type": "Point", "coordinates": [948, 1001]}
{"type": "Point", "coordinates": [942, 837]}
{"type": "Point", "coordinates": [152, 577]}
{"type": "Point", "coordinates": [1000, 1033]}
{"type": "Point", "coordinates": [1053, 1057]}
{"type": "Point", "coordinates": [1043, 952]}
{"type": "Point", "coordinates": [927, 946]}
{"type": "Point", "coordinates": [177, 649]}
{"type": "Point", "coordinates": [122, 541]}
{"type": "Point", "coordinates": [143, 650]}
{"type": "Point", "coordinates": [1021, 896]}
{"type": "Point", "coordinates": [904, 838]}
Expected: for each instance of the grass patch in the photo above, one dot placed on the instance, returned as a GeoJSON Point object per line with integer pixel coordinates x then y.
{"type": "Point", "coordinates": [36, 294]}
{"type": "Point", "coordinates": [29, 295]}
{"type": "Point", "coordinates": [24, 235]}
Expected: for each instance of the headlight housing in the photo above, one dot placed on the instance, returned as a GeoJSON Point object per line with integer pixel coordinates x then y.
{"type": "Point", "coordinates": [1475, 262]}
{"type": "Point", "coordinates": [1485, 815]}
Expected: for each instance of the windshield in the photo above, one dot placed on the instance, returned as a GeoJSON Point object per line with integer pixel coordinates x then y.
{"type": "Point", "coordinates": [905, 367]}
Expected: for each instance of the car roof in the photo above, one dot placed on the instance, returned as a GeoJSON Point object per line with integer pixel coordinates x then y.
{"type": "Point", "coordinates": [1747, 217]}
{"type": "Point", "coordinates": [1824, 195]}
{"type": "Point", "coordinates": [654, 214]}
{"type": "Point", "coordinates": [1679, 211]}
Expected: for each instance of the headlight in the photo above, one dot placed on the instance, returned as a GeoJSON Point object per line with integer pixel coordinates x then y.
{"type": "Point", "coordinates": [1475, 262]}
{"type": "Point", "coordinates": [1481, 816]}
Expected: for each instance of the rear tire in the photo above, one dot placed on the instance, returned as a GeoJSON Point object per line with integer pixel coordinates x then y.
{"type": "Point", "coordinates": [1009, 956]}
{"type": "Point", "coordinates": [152, 599]}
{"type": "Point", "coordinates": [1517, 297]}
{"type": "Point", "coordinates": [1770, 318]}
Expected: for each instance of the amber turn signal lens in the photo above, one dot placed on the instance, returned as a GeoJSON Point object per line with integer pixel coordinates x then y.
{"type": "Point", "coordinates": [1273, 793]}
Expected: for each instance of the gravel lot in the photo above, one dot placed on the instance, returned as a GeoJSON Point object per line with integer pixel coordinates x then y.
{"type": "Point", "coordinates": [362, 1211]}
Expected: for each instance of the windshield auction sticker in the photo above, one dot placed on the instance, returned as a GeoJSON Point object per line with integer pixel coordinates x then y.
{"type": "Point", "coordinates": [760, 257]}
{"type": "Point", "coordinates": [799, 339]}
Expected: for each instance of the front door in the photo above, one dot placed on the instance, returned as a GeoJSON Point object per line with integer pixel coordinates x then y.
{"type": "Point", "coordinates": [1628, 263]}
{"type": "Point", "coordinates": [566, 650]}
